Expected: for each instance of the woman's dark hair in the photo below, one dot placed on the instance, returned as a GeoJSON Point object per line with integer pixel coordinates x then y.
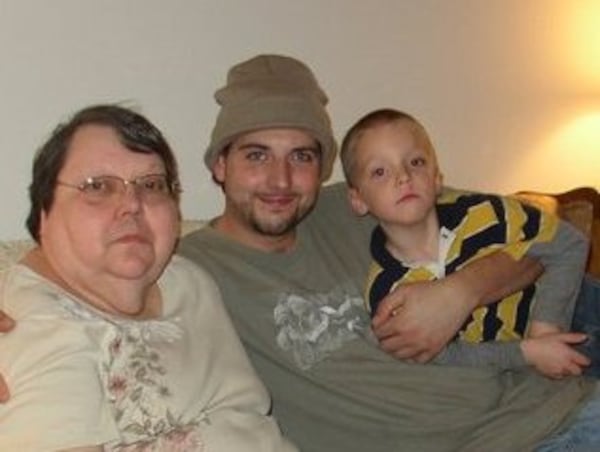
{"type": "Point", "coordinates": [135, 132]}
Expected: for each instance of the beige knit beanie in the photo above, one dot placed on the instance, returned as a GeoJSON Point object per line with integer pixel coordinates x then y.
{"type": "Point", "coordinates": [270, 91]}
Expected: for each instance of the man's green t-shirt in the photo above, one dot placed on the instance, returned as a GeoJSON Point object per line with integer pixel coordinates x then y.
{"type": "Point", "coordinates": [301, 317]}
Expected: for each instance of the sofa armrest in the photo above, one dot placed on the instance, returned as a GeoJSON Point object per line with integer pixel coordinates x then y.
{"type": "Point", "coordinates": [580, 207]}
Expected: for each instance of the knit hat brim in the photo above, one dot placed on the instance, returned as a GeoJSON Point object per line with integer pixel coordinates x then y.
{"type": "Point", "coordinates": [272, 91]}
{"type": "Point", "coordinates": [271, 113]}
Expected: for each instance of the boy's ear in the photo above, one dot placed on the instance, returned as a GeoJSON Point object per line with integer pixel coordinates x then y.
{"type": "Point", "coordinates": [356, 202]}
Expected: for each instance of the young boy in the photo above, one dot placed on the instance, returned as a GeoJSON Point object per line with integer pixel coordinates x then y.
{"type": "Point", "coordinates": [425, 233]}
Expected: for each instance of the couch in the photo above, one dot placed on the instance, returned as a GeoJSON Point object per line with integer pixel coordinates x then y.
{"type": "Point", "coordinates": [580, 207]}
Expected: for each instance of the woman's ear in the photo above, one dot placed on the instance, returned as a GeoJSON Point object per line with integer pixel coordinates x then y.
{"type": "Point", "coordinates": [439, 182]}
{"type": "Point", "coordinates": [42, 224]}
{"type": "Point", "coordinates": [357, 203]}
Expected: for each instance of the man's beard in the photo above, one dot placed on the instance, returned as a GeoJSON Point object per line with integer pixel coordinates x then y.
{"type": "Point", "coordinates": [276, 229]}
{"type": "Point", "coordinates": [282, 227]}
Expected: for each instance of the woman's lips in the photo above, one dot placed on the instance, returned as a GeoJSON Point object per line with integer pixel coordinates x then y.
{"type": "Point", "coordinates": [132, 238]}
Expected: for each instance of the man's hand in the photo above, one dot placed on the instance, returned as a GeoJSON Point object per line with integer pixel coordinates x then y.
{"type": "Point", "coordinates": [417, 320]}
{"type": "Point", "coordinates": [553, 356]}
{"type": "Point", "coordinates": [6, 324]}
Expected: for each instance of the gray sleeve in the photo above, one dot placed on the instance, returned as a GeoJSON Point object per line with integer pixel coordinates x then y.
{"type": "Point", "coordinates": [500, 355]}
{"type": "Point", "coordinates": [564, 260]}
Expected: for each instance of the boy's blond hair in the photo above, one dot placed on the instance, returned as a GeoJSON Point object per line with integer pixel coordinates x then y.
{"type": "Point", "coordinates": [376, 118]}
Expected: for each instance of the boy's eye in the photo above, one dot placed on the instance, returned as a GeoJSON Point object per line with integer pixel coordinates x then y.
{"type": "Point", "coordinates": [418, 161]}
{"type": "Point", "coordinates": [377, 172]}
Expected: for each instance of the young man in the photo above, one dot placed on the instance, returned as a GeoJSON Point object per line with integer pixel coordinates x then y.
{"type": "Point", "coordinates": [291, 271]}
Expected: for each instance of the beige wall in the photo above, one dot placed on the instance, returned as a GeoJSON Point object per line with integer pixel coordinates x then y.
{"type": "Point", "coordinates": [509, 89]}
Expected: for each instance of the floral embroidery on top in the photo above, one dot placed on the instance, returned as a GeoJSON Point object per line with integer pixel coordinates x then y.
{"type": "Point", "coordinates": [135, 383]}
{"type": "Point", "coordinates": [134, 376]}
{"type": "Point", "coordinates": [311, 328]}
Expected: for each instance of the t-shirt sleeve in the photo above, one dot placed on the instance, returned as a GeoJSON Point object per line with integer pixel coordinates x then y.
{"type": "Point", "coordinates": [50, 364]}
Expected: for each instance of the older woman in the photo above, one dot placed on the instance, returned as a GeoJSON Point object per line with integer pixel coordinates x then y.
{"type": "Point", "coordinates": [119, 345]}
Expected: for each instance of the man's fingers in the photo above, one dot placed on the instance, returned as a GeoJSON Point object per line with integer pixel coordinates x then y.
{"type": "Point", "coordinates": [386, 309]}
{"type": "Point", "coordinates": [395, 347]}
{"type": "Point", "coordinates": [4, 394]}
{"type": "Point", "coordinates": [383, 330]}
{"type": "Point", "coordinates": [424, 357]}
{"type": "Point", "coordinates": [6, 323]}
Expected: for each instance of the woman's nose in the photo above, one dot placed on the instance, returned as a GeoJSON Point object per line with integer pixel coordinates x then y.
{"type": "Point", "coordinates": [130, 199]}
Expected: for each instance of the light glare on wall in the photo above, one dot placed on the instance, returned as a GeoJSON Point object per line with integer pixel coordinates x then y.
{"type": "Point", "coordinates": [573, 151]}
{"type": "Point", "coordinates": [584, 44]}
{"type": "Point", "coordinates": [584, 133]}
{"type": "Point", "coordinates": [570, 156]}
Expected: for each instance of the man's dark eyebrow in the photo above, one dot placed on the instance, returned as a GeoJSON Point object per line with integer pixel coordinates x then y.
{"type": "Point", "coordinates": [316, 149]}
{"type": "Point", "coordinates": [253, 145]}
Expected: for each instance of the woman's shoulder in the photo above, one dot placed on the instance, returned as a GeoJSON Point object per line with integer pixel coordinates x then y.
{"type": "Point", "coordinates": [182, 268]}
{"type": "Point", "coordinates": [184, 278]}
{"type": "Point", "coordinates": [24, 293]}
{"type": "Point", "coordinates": [46, 316]}
{"type": "Point", "coordinates": [52, 355]}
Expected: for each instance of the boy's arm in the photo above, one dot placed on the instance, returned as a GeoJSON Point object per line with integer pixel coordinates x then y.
{"type": "Point", "coordinates": [551, 355]}
{"type": "Point", "coordinates": [558, 287]}
{"type": "Point", "coordinates": [500, 355]}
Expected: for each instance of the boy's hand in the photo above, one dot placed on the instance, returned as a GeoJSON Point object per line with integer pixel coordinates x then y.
{"type": "Point", "coordinates": [6, 324]}
{"type": "Point", "coordinates": [553, 356]}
